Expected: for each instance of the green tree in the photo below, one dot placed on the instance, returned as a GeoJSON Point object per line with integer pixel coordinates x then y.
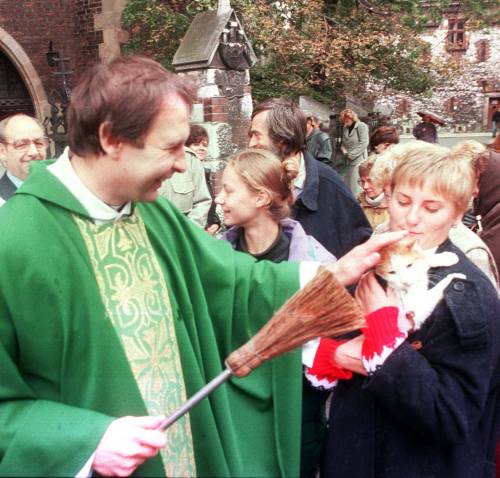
{"type": "Point", "coordinates": [322, 48]}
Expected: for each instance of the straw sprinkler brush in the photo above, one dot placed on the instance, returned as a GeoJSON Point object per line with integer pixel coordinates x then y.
{"type": "Point", "coordinates": [323, 308]}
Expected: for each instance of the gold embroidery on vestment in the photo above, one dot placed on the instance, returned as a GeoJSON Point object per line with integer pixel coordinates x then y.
{"type": "Point", "coordinates": [135, 296]}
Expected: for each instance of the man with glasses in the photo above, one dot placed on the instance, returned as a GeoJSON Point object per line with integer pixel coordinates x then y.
{"type": "Point", "coordinates": [22, 140]}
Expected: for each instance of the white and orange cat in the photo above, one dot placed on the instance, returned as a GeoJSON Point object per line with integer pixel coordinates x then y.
{"type": "Point", "coordinates": [404, 266]}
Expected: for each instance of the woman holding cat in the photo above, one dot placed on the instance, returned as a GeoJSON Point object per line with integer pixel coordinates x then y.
{"type": "Point", "coordinates": [428, 405]}
{"type": "Point", "coordinates": [460, 235]}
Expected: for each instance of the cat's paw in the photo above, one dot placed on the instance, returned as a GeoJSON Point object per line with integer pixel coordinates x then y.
{"type": "Point", "coordinates": [443, 259]}
{"type": "Point", "coordinates": [456, 275]}
{"type": "Point", "coordinates": [449, 278]}
{"type": "Point", "coordinates": [438, 289]}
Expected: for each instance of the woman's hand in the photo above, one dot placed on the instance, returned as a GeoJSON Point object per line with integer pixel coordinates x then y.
{"type": "Point", "coordinates": [348, 355]}
{"type": "Point", "coordinates": [371, 296]}
{"type": "Point", "coordinates": [213, 229]}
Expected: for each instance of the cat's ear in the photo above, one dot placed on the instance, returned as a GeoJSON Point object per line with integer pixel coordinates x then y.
{"type": "Point", "coordinates": [443, 259]}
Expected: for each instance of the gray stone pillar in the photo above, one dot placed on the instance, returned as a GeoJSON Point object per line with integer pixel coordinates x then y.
{"type": "Point", "coordinates": [217, 55]}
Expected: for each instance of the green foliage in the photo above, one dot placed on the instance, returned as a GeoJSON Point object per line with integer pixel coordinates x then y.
{"type": "Point", "coordinates": [155, 29]}
{"type": "Point", "coordinates": [322, 48]}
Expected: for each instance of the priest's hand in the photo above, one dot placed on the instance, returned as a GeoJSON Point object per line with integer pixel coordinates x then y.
{"type": "Point", "coordinates": [349, 268]}
{"type": "Point", "coordinates": [127, 443]}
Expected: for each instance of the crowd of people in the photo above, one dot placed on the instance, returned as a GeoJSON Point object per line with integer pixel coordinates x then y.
{"type": "Point", "coordinates": [126, 281]}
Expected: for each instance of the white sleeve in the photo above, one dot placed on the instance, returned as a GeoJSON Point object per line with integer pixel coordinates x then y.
{"type": "Point", "coordinates": [307, 271]}
{"type": "Point", "coordinates": [86, 471]}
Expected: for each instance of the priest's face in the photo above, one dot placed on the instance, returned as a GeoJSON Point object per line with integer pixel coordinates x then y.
{"type": "Point", "coordinates": [142, 170]}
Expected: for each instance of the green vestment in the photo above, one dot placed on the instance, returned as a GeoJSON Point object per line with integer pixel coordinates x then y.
{"type": "Point", "coordinates": [64, 375]}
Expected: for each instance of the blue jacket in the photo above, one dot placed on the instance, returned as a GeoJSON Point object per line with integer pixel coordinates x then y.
{"type": "Point", "coordinates": [328, 211]}
{"type": "Point", "coordinates": [302, 246]}
{"type": "Point", "coordinates": [7, 187]}
{"type": "Point", "coordinates": [432, 412]}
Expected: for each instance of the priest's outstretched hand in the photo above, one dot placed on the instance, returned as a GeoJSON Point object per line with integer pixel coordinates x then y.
{"type": "Point", "coordinates": [127, 443]}
{"type": "Point", "coordinates": [350, 267]}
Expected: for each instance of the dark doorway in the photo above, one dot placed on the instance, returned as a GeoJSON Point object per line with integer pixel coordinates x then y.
{"type": "Point", "coordinates": [14, 96]}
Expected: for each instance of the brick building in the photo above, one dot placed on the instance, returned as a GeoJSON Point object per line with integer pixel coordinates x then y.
{"type": "Point", "coordinates": [468, 100]}
{"type": "Point", "coordinates": [83, 30]}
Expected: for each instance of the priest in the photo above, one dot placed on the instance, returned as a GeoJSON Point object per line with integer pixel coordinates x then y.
{"type": "Point", "coordinates": [114, 308]}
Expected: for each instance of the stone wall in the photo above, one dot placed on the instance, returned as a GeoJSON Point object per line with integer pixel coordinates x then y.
{"type": "Point", "coordinates": [463, 102]}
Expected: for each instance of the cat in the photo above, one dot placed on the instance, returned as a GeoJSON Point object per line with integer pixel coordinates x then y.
{"type": "Point", "coordinates": [404, 266]}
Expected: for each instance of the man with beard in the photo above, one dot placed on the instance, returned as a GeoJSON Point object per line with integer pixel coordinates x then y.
{"type": "Point", "coordinates": [324, 205]}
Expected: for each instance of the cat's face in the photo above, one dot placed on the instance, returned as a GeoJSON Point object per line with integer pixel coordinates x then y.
{"type": "Point", "coordinates": [402, 265]}
{"type": "Point", "coordinates": [426, 215]}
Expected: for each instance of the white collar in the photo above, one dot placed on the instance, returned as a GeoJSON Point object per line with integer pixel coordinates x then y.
{"type": "Point", "coordinates": [98, 210]}
{"type": "Point", "coordinates": [15, 180]}
{"type": "Point", "coordinates": [375, 202]}
{"type": "Point", "coordinates": [298, 182]}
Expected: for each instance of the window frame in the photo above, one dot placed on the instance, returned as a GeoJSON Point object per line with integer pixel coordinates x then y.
{"type": "Point", "coordinates": [456, 27]}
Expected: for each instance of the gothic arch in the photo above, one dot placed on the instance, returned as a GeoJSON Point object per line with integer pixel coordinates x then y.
{"type": "Point", "coordinates": [26, 70]}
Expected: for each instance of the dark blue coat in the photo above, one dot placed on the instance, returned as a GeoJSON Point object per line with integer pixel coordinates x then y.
{"type": "Point", "coordinates": [432, 412]}
{"type": "Point", "coordinates": [7, 187]}
{"type": "Point", "coordinates": [328, 211]}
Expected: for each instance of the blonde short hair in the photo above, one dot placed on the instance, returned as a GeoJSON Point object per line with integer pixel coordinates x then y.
{"type": "Point", "coordinates": [381, 171]}
{"type": "Point", "coordinates": [469, 148]}
{"type": "Point", "coordinates": [437, 167]}
{"type": "Point", "coordinates": [474, 151]}
{"type": "Point", "coordinates": [261, 170]}
{"type": "Point", "coordinates": [366, 166]}
{"type": "Point", "coordinates": [348, 113]}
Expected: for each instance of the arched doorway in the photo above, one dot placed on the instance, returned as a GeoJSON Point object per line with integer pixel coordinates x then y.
{"type": "Point", "coordinates": [14, 95]}
{"type": "Point", "coordinates": [30, 79]}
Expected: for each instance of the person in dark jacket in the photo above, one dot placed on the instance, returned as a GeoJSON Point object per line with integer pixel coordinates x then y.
{"type": "Point", "coordinates": [426, 130]}
{"type": "Point", "coordinates": [326, 209]}
{"type": "Point", "coordinates": [428, 405]}
{"type": "Point", "coordinates": [318, 142]}
{"type": "Point", "coordinates": [495, 121]}
{"type": "Point", "coordinates": [22, 140]}
{"type": "Point", "coordinates": [487, 202]}
{"type": "Point", "coordinates": [324, 205]}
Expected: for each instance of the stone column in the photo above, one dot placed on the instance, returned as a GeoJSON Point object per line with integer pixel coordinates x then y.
{"type": "Point", "coordinates": [216, 54]}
